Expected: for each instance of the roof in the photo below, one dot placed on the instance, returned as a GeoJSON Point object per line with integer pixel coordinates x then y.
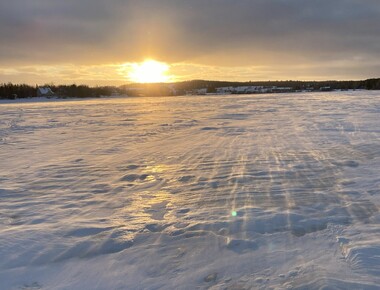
{"type": "Point", "coordinates": [45, 91]}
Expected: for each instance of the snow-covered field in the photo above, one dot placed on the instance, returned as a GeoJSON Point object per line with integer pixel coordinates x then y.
{"type": "Point", "coordinates": [208, 192]}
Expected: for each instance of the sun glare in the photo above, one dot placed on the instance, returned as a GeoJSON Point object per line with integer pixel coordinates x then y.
{"type": "Point", "coordinates": [149, 71]}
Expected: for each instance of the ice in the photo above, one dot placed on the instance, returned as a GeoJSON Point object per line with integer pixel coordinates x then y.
{"type": "Point", "coordinates": [195, 192]}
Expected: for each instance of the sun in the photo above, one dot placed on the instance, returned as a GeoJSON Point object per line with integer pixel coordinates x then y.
{"type": "Point", "coordinates": [149, 71]}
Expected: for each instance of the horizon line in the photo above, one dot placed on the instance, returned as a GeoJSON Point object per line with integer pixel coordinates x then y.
{"type": "Point", "coordinates": [187, 81]}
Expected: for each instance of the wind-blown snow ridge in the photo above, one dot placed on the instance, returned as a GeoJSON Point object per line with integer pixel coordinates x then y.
{"type": "Point", "coordinates": [233, 192]}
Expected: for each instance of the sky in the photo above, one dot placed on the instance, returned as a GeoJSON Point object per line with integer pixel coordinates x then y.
{"type": "Point", "coordinates": [98, 42]}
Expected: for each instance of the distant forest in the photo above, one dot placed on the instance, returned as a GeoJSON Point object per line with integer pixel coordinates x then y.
{"type": "Point", "coordinates": [370, 84]}
{"type": "Point", "coordinates": [13, 91]}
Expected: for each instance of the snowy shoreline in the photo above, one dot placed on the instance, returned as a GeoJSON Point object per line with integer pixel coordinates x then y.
{"type": "Point", "coordinates": [55, 99]}
{"type": "Point", "coordinates": [59, 99]}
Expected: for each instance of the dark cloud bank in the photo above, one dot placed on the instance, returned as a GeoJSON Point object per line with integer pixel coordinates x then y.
{"type": "Point", "coordinates": [339, 36]}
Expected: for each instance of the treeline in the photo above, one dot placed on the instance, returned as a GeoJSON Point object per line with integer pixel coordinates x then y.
{"type": "Point", "coordinates": [372, 84]}
{"type": "Point", "coordinates": [295, 85]}
{"type": "Point", "coordinates": [152, 90]}
{"type": "Point", "coordinates": [181, 88]}
{"type": "Point", "coordinates": [13, 91]}
{"type": "Point", "coordinates": [81, 91]}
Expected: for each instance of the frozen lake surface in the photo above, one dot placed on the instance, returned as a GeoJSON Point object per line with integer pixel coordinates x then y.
{"type": "Point", "coordinates": [197, 192]}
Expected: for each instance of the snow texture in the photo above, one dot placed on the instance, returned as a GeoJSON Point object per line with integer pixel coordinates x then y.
{"type": "Point", "coordinates": [207, 192]}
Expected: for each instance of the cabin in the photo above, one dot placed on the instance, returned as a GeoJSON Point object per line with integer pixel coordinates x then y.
{"type": "Point", "coordinates": [44, 92]}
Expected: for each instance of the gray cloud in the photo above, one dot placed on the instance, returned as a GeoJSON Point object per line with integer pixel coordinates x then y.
{"type": "Point", "coordinates": [215, 32]}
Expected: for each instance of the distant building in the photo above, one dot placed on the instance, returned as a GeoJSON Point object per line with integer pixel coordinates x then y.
{"type": "Point", "coordinates": [173, 91]}
{"type": "Point", "coordinates": [282, 89]}
{"type": "Point", "coordinates": [224, 90]}
{"type": "Point", "coordinates": [45, 92]}
{"type": "Point", "coordinates": [202, 91]}
{"type": "Point", "coordinates": [243, 90]}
